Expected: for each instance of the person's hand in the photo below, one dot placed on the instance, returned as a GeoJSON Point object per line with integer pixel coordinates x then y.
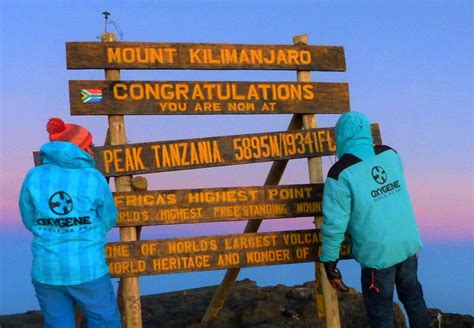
{"type": "Point", "coordinates": [335, 277]}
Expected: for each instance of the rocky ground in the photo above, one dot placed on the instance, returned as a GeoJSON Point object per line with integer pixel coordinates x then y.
{"type": "Point", "coordinates": [251, 306]}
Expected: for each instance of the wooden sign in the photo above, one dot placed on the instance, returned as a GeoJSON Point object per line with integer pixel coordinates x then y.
{"type": "Point", "coordinates": [179, 98]}
{"type": "Point", "coordinates": [138, 258]}
{"type": "Point", "coordinates": [152, 55]}
{"type": "Point", "coordinates": [186, 154]}
{"type": "Point", "coordinates": [218, 204]}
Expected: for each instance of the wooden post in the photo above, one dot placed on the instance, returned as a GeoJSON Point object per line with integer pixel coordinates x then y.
{"type": "Point", "coordinates": [273, 178]}
{"type": "Point", "coordinates": [129, 287]}
{"type": "Point", "coordinates": [330, 304]}
{"type": "Point", "coordinates": [138, 184]}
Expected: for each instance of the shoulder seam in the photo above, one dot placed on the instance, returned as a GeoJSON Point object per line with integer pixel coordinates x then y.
{"type": "Point", "coordinates": [347, 160]}
{"type": "Point", "coordinates": [378, 149]}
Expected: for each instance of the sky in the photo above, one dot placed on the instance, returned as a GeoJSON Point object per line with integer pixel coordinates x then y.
{"type": "Point", "coordinates": [409, 68]}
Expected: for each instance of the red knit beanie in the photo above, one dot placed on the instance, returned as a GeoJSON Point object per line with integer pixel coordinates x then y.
{"type": "Point", "coordinates": [59, 131]}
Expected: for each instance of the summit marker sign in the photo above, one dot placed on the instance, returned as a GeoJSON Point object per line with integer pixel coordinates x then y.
{"type": "Point", "coordinates": [139, 207]}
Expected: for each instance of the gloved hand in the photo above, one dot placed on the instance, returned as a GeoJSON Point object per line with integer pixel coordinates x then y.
{"type": "Point", "coordinates": [335, 277]}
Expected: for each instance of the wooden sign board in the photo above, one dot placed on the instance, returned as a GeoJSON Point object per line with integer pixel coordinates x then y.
{"type": "Point", "coordinates": [198, 98]}
{"type": "Point", "coordinates": [150, 157]}
{"type": "Point", "coordinates": [138, 258]}
{"type": "Point", "coordinates": [152, 55]}
{"type": "Point", "coordinates": [218, 204]}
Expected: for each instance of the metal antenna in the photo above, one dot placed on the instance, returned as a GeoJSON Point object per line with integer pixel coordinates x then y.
{"type": "Point", "coordinates": [119, 31]}
{"type": "Point", "coordinates": [106, 15]}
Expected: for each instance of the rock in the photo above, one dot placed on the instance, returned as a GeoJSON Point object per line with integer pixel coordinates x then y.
{"type": "Point", "coordinates": [441, 320]}
{"type": "Point", "coordinates": [251, 306]}
{"type": "Point", "coordinates": [31, 319]}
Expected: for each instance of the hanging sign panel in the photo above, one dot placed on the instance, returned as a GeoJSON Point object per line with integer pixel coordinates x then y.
{"type": "Point", "coordinates": [217, 204]}
{"type": "Point", "coordinates": [160, 156]}
{"type": "Point", "coordinates": [138, 258]}
{"type": "Point", "coordinates": [204, 98]}
{"type": "Point", "coordinates": [152, 55]}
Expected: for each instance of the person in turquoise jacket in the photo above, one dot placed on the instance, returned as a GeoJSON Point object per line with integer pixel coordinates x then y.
{"type": "Point", "coordinates": [67, 204]}
{"type": "Point", "coordinates": [365, 196]}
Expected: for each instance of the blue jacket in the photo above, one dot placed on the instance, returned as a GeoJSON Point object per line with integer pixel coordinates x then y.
{"type": "Point", "coordinates": [365, 195]}
{"type": "Point", "coordinates": [67, 204]}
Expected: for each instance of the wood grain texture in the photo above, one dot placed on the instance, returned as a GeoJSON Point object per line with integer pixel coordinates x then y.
{"type": "Point", "coordinates": [128, 297]}
{"type": "Point", "coordinates": [140, 158]}
{"type": "Point", "coordinates": [138, 258]}
{"type": "Point", "coordinates": [185, 154]}
{"type": "Point", "coordinates": [326, 296]}
{"type": "Point", "coordinates": [152, 55]}
{"type": "Point", "coordinates": [209, 98]}
{"type": "Point", "coordinates": [163, 207]}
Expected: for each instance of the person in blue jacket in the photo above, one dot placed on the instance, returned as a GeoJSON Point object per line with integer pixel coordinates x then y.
{"type": "Point", "coordinates": [365, 195]}
{"type": "Point", "coordinates": [67, 204]}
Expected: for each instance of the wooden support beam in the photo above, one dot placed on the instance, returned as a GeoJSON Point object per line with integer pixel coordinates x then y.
{"type": "Point", "coordinates": [130, 289]}
{"type": "Point", "coordinates": [273, 178]}
{"type": "Point", "coordinates": [315, 168]}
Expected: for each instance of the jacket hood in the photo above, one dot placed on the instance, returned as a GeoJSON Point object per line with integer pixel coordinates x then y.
{"type": "Point", "coordinates": [353, 136]}
{"type": "Point", "coordinates": [65, 154]}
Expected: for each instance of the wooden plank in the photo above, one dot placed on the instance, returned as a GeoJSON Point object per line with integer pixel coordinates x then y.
{"type": "Point", "coordinates": [153, 55]}
{"type": "Point", "coordinates": [205, 98]}
{"type": "Point", "coordinates": [147, 257]}
{"type": "Point", "coordinates": [163, 207]}
{"type": "Point", "coordinates": [186, 154]}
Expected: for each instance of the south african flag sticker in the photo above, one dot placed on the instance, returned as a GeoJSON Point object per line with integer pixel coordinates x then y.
{"type": "Point", "coordinates": [91, 96]}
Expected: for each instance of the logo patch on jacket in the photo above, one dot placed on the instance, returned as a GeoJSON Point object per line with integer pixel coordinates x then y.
{"type": "Point", "coordinates": [60, 203]}
{"type": "Point", "coordinates": [380, 176]}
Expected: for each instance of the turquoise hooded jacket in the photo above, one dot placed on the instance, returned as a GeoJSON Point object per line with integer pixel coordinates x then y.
{"type": "Point", "coordinates": [67, 204]}
{"type": "Point", "coordinates": [365, 195]}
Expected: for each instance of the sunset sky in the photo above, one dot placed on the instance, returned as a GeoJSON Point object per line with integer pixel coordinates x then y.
{"type": "Point", "coordinates": [409, 68]}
